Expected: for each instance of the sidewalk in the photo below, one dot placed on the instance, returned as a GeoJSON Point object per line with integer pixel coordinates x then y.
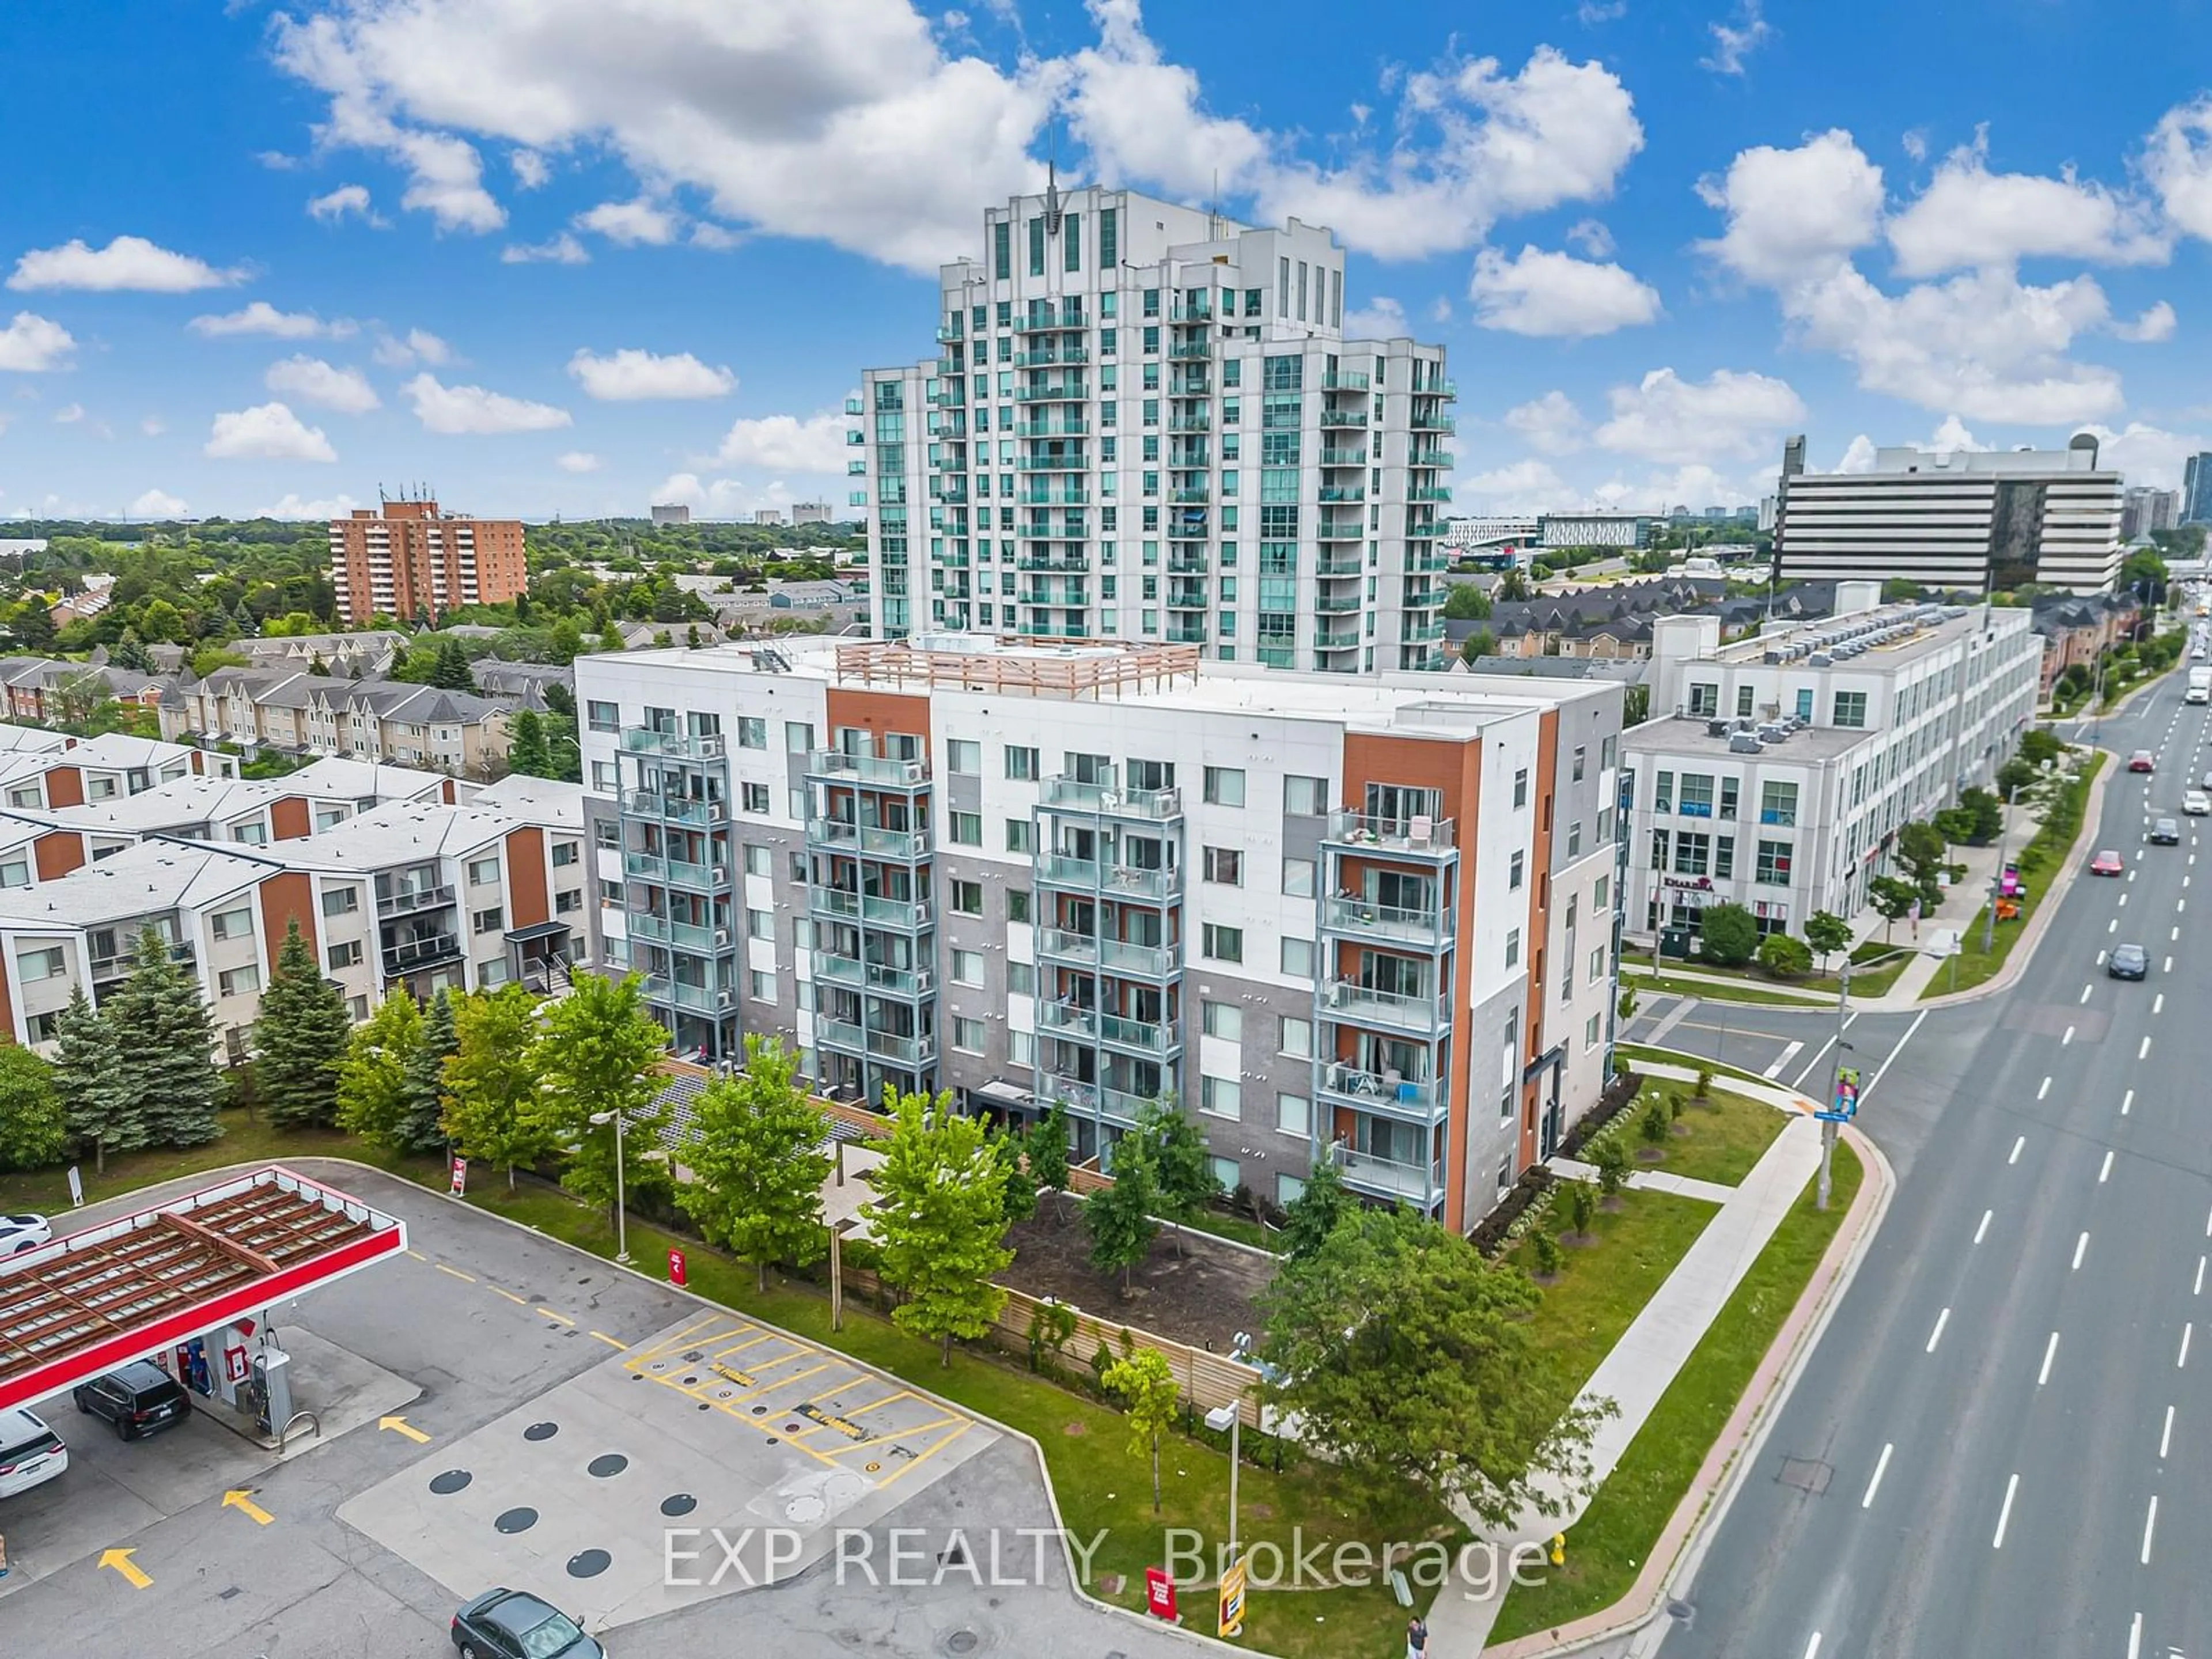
{"type": "Point", "coordinates": [1643, 1364]}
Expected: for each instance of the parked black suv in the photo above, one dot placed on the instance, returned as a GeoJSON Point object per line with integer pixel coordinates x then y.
{"type": "Point", "coordinates": [141, 1398]}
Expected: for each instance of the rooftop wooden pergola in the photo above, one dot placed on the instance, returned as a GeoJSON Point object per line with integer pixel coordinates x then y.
{"type": "Point", "coordinates": [1038, 667]}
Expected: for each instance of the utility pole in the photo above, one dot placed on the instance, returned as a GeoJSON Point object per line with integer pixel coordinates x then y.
{"type": "Point", "coordinates": [1996, 880]}
{"type": "Point", "coordinates": [1835, 1077]}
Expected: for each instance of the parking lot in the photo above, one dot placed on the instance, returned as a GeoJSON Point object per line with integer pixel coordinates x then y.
{"type": "Point", "coordinates": [563, 1417]}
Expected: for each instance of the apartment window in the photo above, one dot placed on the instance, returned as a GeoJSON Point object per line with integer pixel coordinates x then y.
{"type": "Point", "coordinates": [752, 733]}
{"type": "Point", "coordinates": [1693, 853]}
{"type": "Point", "coordinates": [759, 861]}
{"type": "Point", "coordinates": [1021, 979]}
{"type": "Point", "coordinates": [603, 716]}
{"type": "Point", "coordinates": [1515, 870]}
{"type": "Point", "coordinates": [1697, 797]}
{"type": "Point", "coordinates": [1019, 834]}
{"type": "Point", "coordinates": [238, 981]}
{"type": "Point", "coordinates": [1294, 1036]}
{"type": "Point", "coordinates": [1705, 701]}
{"type": "Point", "coordinates": [1730, 788]}
{"type": "Point", "coordinates": [1223, 944]}
{"type": "Point", "coordinates": [1299, 878]}
{"type": "Point", "coordinates": [606, 833]}
{"type": "Point", "coordinates": [967, 828]}
{"type": "Point", "coordinates": [798, 736]}
{"type": "Point", "coordinates": [1018, 904]}
{"type": "Point", "coordinates": [1220, 1097]}
{"type": "Point", "coordinates": [967, 967]}
{"type": "Point", "coordinates": [969, 1036]}
{"type": "Point", "coordinates": [1773, 870]}
{"type": "Point", "coordinates": [1021, 763]}
{"type": "Point", "coordinates": [1777, 803]}
{"type": "Point", "coordinates": [1224, 786]}
{"type": "Point", "coordinates": [568, 902]}
{"type": "Point", "coordinates": [967, 898]}
{"type": "Point", "coordinates": [16, 872]}
{"type": "Point", "coordinates": [29, 795]}
{"type": "Point", "coordinates": [760, 985]}
{"type": "Point", "coordinates": [345, 954]}
{"type": "Point", "coordinates": [760, 924]}
{"type": "Point", "coordinates": [1851, 709]}
{"type": "Point", "coordinates": [1601, 892]}
{"type": "Point", "coordinates": [1605, 751]}
{"type": "Point", "coordinates": [1223, 1019]}
{"type": "Point", "coordinates": [232, 924]}
{"type": "Point", "coordinates": [488, 921]}
{"type": "Point", "coordinates": [964, 756]}
{"type": "Point", "coordinates": [753, 798]}
{"type": "Point", "coordinates": [1521, 787]}
{"type": "Point", "coordinates": [1597, 964]}
{"type": "Point", "coordinates": [1805, 703]}
{"type": "Point", "coordinates": [40, 964]}
{"type": "Point", "coordinates": [1224, 865]}
{"type": "Point", "coordinates": [1581, 759]}
{"type": "Point", "coordinates": [341, 901]}
{"type": "Point", "coordinates": [1512, 947]}
{"type": "Point", "coordinates": [1298, 957]}
{"type": "Point", "coordinates": [605, 778]}
{"type": "Point", "coordinates": [1305, 798]}
{"type": "Point", "coordinates": [564, 854]}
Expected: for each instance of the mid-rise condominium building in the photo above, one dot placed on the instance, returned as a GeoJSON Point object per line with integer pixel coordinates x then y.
{"type": "Point", "coordinates": [1959, 521]}
{"type": "Point", "coordinates": [2143, 510]}
{"type": "Point", "coordinates": [2197, 489]}
{"type": "Point", "coordinates": [1371, 916]}
{"type": "Point", "coordinates": [408, 560]}
{"type": "Point", "coordinates": [1145, 422]}
{"type": "Point", "coordinates": [1783, 765]}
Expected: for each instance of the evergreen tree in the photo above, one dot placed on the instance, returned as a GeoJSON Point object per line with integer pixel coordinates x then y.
{"type": "Point", "coordinates": [940, 1218]}
{"type": "Point", "coordinates": [88, 1078]}
{"type": "Point", "coordinates": [372, 1082]}
{"type": "Point", "coordinates": [300, 1039]}
{"type": "Point", "coordinates": [451, 672]}
{"type": "Point", "coordinates": [422, 1127]}
{"type": "Point", "coordinates": [596, 1053]}
{"type": "Point", "coordinates": [526, 754]}
{"type": "Point", "coordinates": [1120, 1217]}
{"type": "Point", "coordinates": [130, 653]}
{"type": "Point", "coordinates": [757, 1151]}
{"type": "Point", "coordinates": [165, 1042]}
{"type": "Point", "coordinates": [491, 1079]}
{"type": "Point", "coordinates": [318, 667]}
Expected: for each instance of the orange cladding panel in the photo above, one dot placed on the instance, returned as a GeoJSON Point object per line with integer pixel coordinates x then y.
{"type": "Point", "coordinates": [58, 853]}
{"type": "Point", "coordinates": [529, 900]}
{"type": "Point", "coordinates": [287, 897]}
{"type": "Point", "coordinates": [65, 786]}
{"type": "Point", "coordinates": [288, 818]}
{"type": "Point", "coordinates": [879, 713]}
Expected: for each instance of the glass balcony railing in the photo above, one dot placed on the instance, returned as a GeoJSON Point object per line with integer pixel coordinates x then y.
{"type": "Point", "coordinates": [1053, 464]}
{"type": "Point", "coordinates": [1191, 351]}
{"type": "Point", "coordinates": [676, 873]}
{"type": "Point", "coordinates": [1111, 955]}
{"type": "Point", "coordinates": [1192, 496]}
{"type": "Point", "coordinates": [839, 905]}
{"type": "Point", "coordinates": [1200, 311]}
{"type": "Point", "coordinates": [1116, 1105]}
{"type": "Point", "coordinates": [874, 977]}
{"type": "Point", "coordinates": [1340, 564]}
{"type": "Point", "coordinates": [845, 1037]}
{"type": "Point", "coordinates": [1064, 596]}
{"type": "Point", "coordinates": [1157, 805]}
{"type": "Point", "coordinates": [1046, 322]}
{"type": "Point", "coordinates": [694, 999]}
{"type": "Point", "coordinates": [1053, 426]}
{"type": "Point", "coordinates": [675, 809]}
{"type": "Point", "coordinates": [1363, 1005]}
{"type": "Point", "coordinates": [1142, 1036]}
{"type": "Point", "coordinates": [1424, 633]}
{"type": "Point", "coordinates": [681, 935]}
{"type": "Point", "coordinates": [403, 901]}
{"type": "Point", "coordinates": [1336, 639]}
{"type": "Point", "coordinates": [1344, 458]}
{"type": "Point", "coordinates": [1420, 457]}
{"type": "Point", "coordinates": [946, 334]}
{"type": "Point", "coordinates": [682, 745]}
{"type": "Point", "coordinates": [1329, 604]}
{"type": "Point", "coordinates": [1364, 916]}
{"type": "Point", "coordinates": [868, 768]}
{"type": "Point", "coordinates": [1410, 834]}
{"type": "Point", "coordinates": [1064, 496]}
{"type": "Point", "coordinates": [1344, 379]}
{"type": "Point", "coordinates": [1379, 1092]}
{"type": "Point", "coordinates": [1057, 391]}
{"type": "Point", "coordinates": [421, 951]}
{"type": "Point", "coordinates": [1068, 1019]}
{"type": "Point", "coordinates": [1438, 493]}
{"type": "Point", "coordinates": [1387, 1178]}
{"type": "Point", "coordinates": [1116, 880]}
{"type": "Point", "coordinates": [1331, 419]}
{"type": "Point", "coordinates": [1340, 529]}
{"type": "Point", "coordinates": [1427, 560]}
{"type": "Point", "coordinates": [1071, 563]}
{"type": "Point", "coordinates": [1442, 423]}
{"type": "Point", "coordinates": [1190, 420]}
{"type": "Point", "coordinates": [868, 841]}
{"type": "Point", "coordinates": [1052, 356]}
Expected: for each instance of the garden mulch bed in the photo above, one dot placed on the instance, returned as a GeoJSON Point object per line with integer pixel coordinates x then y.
{"type": "Point", "coordinates": [1204, 1298]}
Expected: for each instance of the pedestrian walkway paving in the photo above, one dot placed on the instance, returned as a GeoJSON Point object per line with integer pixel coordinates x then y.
{"type": "Point", "coordinates": [1652, 1181]}
{"type": "Point", "coordinates": [1643, 1364]}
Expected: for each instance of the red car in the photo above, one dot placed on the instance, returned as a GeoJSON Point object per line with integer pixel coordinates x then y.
{"type": "Point", "coordinates": [2107, 863]}
{"type": "Point", "coordinates": [2140, 761]}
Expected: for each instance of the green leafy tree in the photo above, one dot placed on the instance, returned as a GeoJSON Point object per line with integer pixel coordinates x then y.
{"type": "Point", "coordinates": [1119, 1217]}
{"type": "Point", "coordinates": [1145, 1384]}
{"type": "Point", "coordinates": [1181, 1165]}
{"type": "Point", "coordinates": [1550, 1258]}
{"type": "Point", "coordinates": [1923, 851]}
{"type": "Point", "coordinates": [1610, 1159]}
{"type": "Point", "coordinates": [1021, 1190]}
{"type": "Point", "coordinates": [1729, 934]}
{"type": "Point", "coordinates": [1582, 1206]}
{"type": "Point", "coordinates": [1312, 1216]}
{"type": "Point", "coordinates": [491, 1079]}
{"type": "Point", "coordinates": [1827, 933]}
{"type": "Point", "coordinates": [88, 1080]}
{"type": "Point", "coordinates": [1655, 1124]}
{"type": "Point", "coordinates": [596, 1059]}
{"type": "Point", "coordinates": [1410, 1361]}
{"type": "Point", "coordinates": [1784, 957]}
{"type": "Point", "coordinates": [1513, 585]}
{"type": "Point", "coordinates": [1045, 1147]}
{"type": "Point", "coordinates": [373, 1080]}
{"type": "Point", "coordinates": [166, 1043]}
{"type": "Point", "coordinates": [940, 1220]}
{"type": "Point", "coordinates": [300, 1039]}
{"type": "Point", "coordinates": [757, 1151]}
{"type": "Point", "coordinates": [1984, 815]}
{"type": "Point", "coordinates": [1466, 602]}
{"type": "Point", "coordinates": [1893, 900]}
{"type": "Point", "coordinates": [33, 1124]}
{"type": "Point", "coordinates": [1481, 643]}
{"type": "Point", "coordinates": [526, 753]}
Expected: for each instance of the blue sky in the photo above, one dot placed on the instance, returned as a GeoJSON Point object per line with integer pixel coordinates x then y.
{"type": "Point", "coordinates": [573, 256]}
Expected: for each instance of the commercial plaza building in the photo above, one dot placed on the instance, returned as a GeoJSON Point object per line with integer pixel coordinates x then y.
{"type": "Point", "coordinates": [1370, 913]}
{"type": "Point", "coordinates": [1142, 422]}
{"type": "Point", "coordinates": [408, 560]}
{"type": "Point", "coordinates": [1958, 520]}
{"type": "Point", "coordinates": [1777, 771]}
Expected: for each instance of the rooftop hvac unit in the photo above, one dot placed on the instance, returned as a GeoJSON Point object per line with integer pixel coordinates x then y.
{"type": "Point", "coordinates": [1717, 728]}
{"type": "Point", "coordinates": [1774, 657]}
{"type": "Point", "coordinates": [1744, 744]}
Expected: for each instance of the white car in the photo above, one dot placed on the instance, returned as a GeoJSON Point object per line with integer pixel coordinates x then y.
{"type": "Point", "coordinates": [31, 1454]}
{"type": "Point", "coordinates": [2197, 803]}
{"type": "Point", "coordinates": [19, 1233]}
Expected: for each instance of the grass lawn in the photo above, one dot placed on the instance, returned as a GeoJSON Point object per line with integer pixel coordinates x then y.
{"type": "Point", "coordinates": [1618, 1532]}
{"type": "Point", "coordinates": [1640, 1054]}
{"type": "Point", "coordinates": [1239, 1229]}
{"type": "Point", "coordinates": [1726, 1136]}
{"type": "Point", "coordinates": [1720, 989]}
{"type": "Point", "coordinates": [242, 1142]}
{"type": "Point", "coordinates": [1754, 985]}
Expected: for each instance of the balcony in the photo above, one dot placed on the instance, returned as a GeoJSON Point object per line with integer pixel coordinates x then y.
{"type": "Point", "coordinates": [1196, 420]}
{"type": "Point", "coordinates": [1343, 492]}
{"type": "Point", "coordinates": [1154, 805]}
{"type": "Point", "coordinates": [1066, 495]}
{"type": "Point", "coordinates": [1053, 426]}
{"type": "Point", "coordinates": [836, 904]}
{"type": "Point", "coordinates": [845, 1037]}
{"type": "Point", "coordinates": [681, 935]}
{"type": "Point", "coordinates": [1424, 532]}
{"type": "Point", "coordinates": [1044, 322]}
{"type": "Point", "coordinates": [1385, 1177]}
{"type": "Point", "coordinates": [854, 406]}
{"type": "Point", "coordinates": [693, 998]}
{"type": "Point", "coordinates": [1439, 494]}
{"type": "Point", "coordinates": [1421, 596]}
{"type": "Point", "coordinates": [1068, 563]}
{"type": "Point", "coordinates": [1184, 311]}
{"type": "Point", "coordinates": [1076, 355]}
{"type": "Point", "coordinates": [1190, 385]}
{"type": "Point", "coordinates": [1047, 630]}
{"type": "Point", "coordinates": [1348, 1001]}
{"type": "Point", "coordinates": [1142, 1036]}
{"type": "Point", "coordinates": [1424, 633]}
{"type": "Point", "coordinates": [1336, 639]}
{"type": "Point", "coordinates": [1191, 351]}
{"type": "Point", "coordinates": [949, 495]}
{"type": "Point", "coordinates": [1067, 595]}
{"type": "Point", "coordinates": [1110, 955]}
{"type": "Point", "coordinates": [1188, 528]}
{"type": "Point", "coordinates": [856, 437]}
{"type": "Point", "coordinates": [1384, 1091]}
{"type": "Point", "coordinates": [949, 397]}
{"type": "Point", "coordinates": [1189, 564]}
{"type": "Point", "coordinates": [947, 334]}
{"type": "Point", "coordinates": [874, 977]}
{"type": "Point", "coordinates": [1115, 880]}
{"type": "Point", "coordinates": [1427, 561]}
{"type": "Point", "coordinates": [1062, 392]}
{"type": "Point", "coordinates": [1340, 529]}
{"type": "Point", "coordinates": [1116, 1105]}
{"type": "Point", "coordinates": [678, 745]}
{"type": "Point", "coordinates": [424, 950]}
{"type": "Point", "coordinates": [1417, 837]}
{"type": "Point", "coordinates": [1344, 458]}
{"type": "Point", "coordinates": [1447, 390]}
{"type": "Point", "coordinates": [1442, 423]}
{"type": "Point", "coordinates": [120, 965]}
{"type": "Point", "coordinates": [1191, 495]}
{"type": "Point", "coordinates": [406, 901]}
{"type": "Point", "coordinates": [875, 769]}
{"type": "Point", "coordinates": [1068, 1021]}
{"type": "Point", "coordinates": [949, 366]}
{"type": "Point", "coordinates": [1187, 596]}
{"type": "Point", "coordinates": [1340, 564]}
{"type": "Point", "coordinates": [677, 873]}
{"type": "Point", "coordinates": [1365, 918]}
{"type": "Point", "coordinates": [866, 841]}
{"type": "Point", "coordinates": [1420, 457]}
{"type": "Point", "coordinates": [1053, 464]}
{"type": "Point", "coordinates": [1332, 605]}
{"type": "Point", "coordinates": [1332, 418]}
{"type": "Point", "coordinates": [856, 468]}
{"type": "Point", "coordinates": [1186, 631]}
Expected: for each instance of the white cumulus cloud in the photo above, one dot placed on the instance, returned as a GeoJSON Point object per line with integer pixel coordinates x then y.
{"type": "Point", "coordinates": [404, 351]}
{"type": "Point", "coordinates": [1666, 418]}
{"type": "Point", "coordinates": [128, 264]}
{"type": "Point", "coordinates": [1380, 318]}
{"type": "Point", "coordinates": [263, 318]}
{"type": "Point", "coordinates": [1969, 217]}
{"type": "Point", "coordinates": [2177, 161]}
{"type": "Point", "coordinates": [631, 223]}
{"type": "Point", "coordinates": [267, 432]}
{"type": "Point", "coordinates": [1557, 295]}
{"type": "Point", "coordinates": [1796, 213]}
{"type": "Point", "coordinates": [1550, 423]}
{"type": "Point", "coordinates": [562, 249]}
{"type": "Point", "coordinates": [578, 460]}
{"type": "Point", "coordinates": [530, 170]}
{"type": "Point", "coordinates": [1736, 40]}
{"type": "Point", "coordinates": [784, 443]}
{"type": "Point", "coordinates": [313, 380]}
{"type": "Point", "coordinates": [158, 504]}
{"type": "Point", "coordinates": [337, 204]}
{"type": "Point", "coordinates": [629, 375]}
{"type": "Point", "coordinates": [31, 344]}
{"type": "Point", "coordinates": [472, 408]}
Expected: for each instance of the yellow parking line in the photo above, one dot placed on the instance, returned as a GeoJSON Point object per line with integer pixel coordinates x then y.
{"type": "Point", "coordinates": [549, 1314]}
{"type": "Point", "coordinates": [682, 1339]}
{"type": "Point", "coordinates": [876, 1405]}
{"type": "Point", "coordinates": [456, 1272]}
{"type": "Point", "coordinates": [902, 1434]}
{"type": "Point", "coordinates": [611, 1342]}
{"type": "Point", "coordinates": [921, 1457]}
{"type": "Point", "coordinates": [510, 1296]}
{"type": "Point", "coordinates": [418, 1255]}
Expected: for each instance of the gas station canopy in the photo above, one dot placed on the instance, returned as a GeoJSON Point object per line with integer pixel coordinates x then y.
{"type": "Point", "coordinates": [90, 1302]}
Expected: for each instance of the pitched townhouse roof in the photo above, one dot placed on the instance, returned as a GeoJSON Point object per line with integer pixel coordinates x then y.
{"type": "Point", "coordinates": [154, 875]}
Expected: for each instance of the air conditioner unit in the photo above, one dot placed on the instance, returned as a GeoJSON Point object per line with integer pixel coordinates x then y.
{"type": "Point", "coordinates": [717, 811]}
{"type": "Point", "coordinates": [721, 939]}
{"type": "Point", "coordinates": [726, 998]}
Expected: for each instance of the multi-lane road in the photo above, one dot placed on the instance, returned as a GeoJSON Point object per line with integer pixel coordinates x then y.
{"type": "Point", "coordinates": [2002, 1444]}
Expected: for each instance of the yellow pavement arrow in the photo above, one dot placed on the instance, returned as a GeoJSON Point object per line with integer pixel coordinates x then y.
{"type": "Point", "coordinates": [121, 1561]}
{"type": "Point", "coordinates": [237, 1499]}
{"type": "Point", "coordinates": [401, 1426]}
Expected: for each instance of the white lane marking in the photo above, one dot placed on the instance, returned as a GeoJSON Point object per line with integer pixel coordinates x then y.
{"type": "Point", "coordinates": [2012, 1485]}
{"type": "Point", "coordinates": [1812, 1648]}
{"type": "Point", "coordinates": [2150, 1526]}
{"type": "Point", "coordinates": [2143, 1053]}
{"type": "Point", "coordinates": [2135, 1637]}
{"type": "Point", "coordinates": [1890, 1060]}
{"type": "Point", "coordinates": [2179, 905]}
{"type": "Point", "coordinates": [2101, 958]}
{"type": "Point", "coordinates": [1984, 1227]}
{"type": "Point", "coordinates": [2016, 1145]}
{"type": "Point", "coordinates": [2169, 966]}
{"type": "Point", "coordinates": [2114, 926]}
{"type": "Point", "coordinates": [1936, 1336]}
{"type": "Point", "coordinates": [2050, 1353]}
{"type": "Point", "coordinates": [1788, 1055]}
{"type": "Point", "coordinates": [2085, 992]}
{"type": "Point", "coordinates": [1874, 1485]}
{"type": "Point", "coordinates": [2124, 901]}
{"type": "Point", "coordinates": [2158, 1003]}
{"type": "Point", "coordinates": [2081, 1245]}
{"type": "Point", "coordinates": [2127, 1101]}
{"type": "Point", "coordinates": [2199, 1288]}
{"type": "Point", "coordinates": [2043, 1090]}
{"type": "Point", "coordinates": [2184, 881]}
{"type": "Point", "coordinates": [2166, 1434]}
{"type": "Point", "coordinates": [2105, 1173]}
{"type": "Point", "coordinates": [2181, 1359]}
{"type": "Point", "coordinates": [2131, 874]}
{"type": "Point", "coordinates": [2174, 937]}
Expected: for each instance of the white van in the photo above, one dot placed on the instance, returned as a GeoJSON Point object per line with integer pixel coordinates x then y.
{"type": "Point", "coordinates": [31, 1454]}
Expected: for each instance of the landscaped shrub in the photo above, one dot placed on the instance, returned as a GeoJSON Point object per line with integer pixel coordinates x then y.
{"type": "Point", "coordinates": [1784, 956]}
{"type": "Point", "coordinates": [1728, 934]}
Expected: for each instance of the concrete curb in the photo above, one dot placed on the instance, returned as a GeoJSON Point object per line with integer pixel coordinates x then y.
{"type": "Point", "coordinates": [1680, 1548]}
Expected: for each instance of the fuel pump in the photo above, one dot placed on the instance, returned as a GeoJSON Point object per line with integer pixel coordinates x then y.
{"type": "Point", "coordinates": [269, 1389]}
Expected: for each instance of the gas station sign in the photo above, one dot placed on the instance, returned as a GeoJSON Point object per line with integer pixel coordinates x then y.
{"type": "Point", "coordinates": [459, 1186]}
{"type": "Point", "coordinates": [1160, 1593]}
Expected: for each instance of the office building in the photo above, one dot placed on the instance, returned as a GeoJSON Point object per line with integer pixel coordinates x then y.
{"type": "Point", "coordinates": [408, 559]}
{"type": "Point", "coordinates": [1777, 771]}
{"type": "Point", "coordinates": [2197, 489]}
{"type": "Point", "coordinates": [2143, 510]}
{"type": "Point", "coordinates": [670, 513]}
{"type": "Point", "coordinates": [1143, 422]}
{"type": "Point", "coordinates": [810, 513]}
{"type": "Point", "coordinates": [1620, 529]}
{"type": "Point", "coordinates": [1371, 913]}
{"type": "Point", "coordinates": [1957, 520]}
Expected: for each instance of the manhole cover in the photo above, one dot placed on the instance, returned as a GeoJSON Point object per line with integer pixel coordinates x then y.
{"type": "Point", "coordinates": [517, 1520]}
{"type": "Point", "coordinates": [612, 1463]}
{"type": "Point", "coordinates": [691, 1379]}
{"type": "Point", "coordinates": [682, 1502]}
{"type": "Point", "coordinates": [1806, 1474]}
{"type": "Point", "coordinates": [589, 1564]}
{"type": "Point", "coordinates": [962, 1641]}
{"type": "Point", "coordinates": [541, 1431]}
{"type": "Point", "coordinates": [760, 1411]}
{"type": "Point", "coordinates": [872, 1467]}
{"type": "Point", "coordinates": [450, 1482]}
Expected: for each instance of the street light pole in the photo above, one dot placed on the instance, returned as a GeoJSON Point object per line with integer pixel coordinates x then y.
{"type": "Point", "coordinates": [1996, 880]}
{"type": "Point", "coordinates": [622, 1212]}
{"type": "Point", "coordinates": [1835, 1078]}
{"type": "Point", "coordinates": [1236, 1416]}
